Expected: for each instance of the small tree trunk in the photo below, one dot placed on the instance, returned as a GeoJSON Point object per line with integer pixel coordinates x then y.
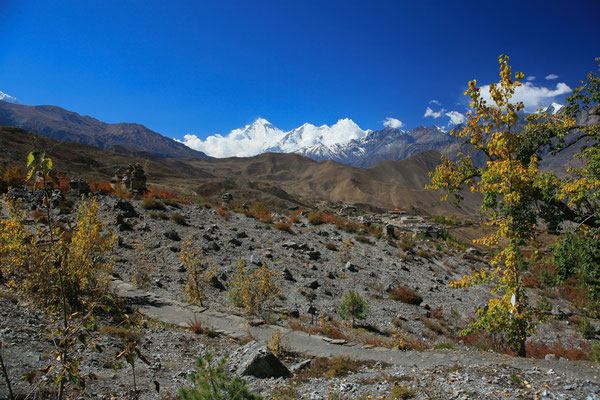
{"type": "Point", "coordinates": [5, 372]}
{"type": "Point", "coordinates": [522, 350]}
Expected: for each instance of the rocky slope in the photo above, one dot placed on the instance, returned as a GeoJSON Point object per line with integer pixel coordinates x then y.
{"type": "Point", "coordinates": [311, 276]}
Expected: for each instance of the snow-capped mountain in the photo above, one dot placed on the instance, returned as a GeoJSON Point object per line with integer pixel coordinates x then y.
{"type": "Point", "coordinates": [261, 136]}
{"type": "Point", "coordinates": [554, 108]}
{"type": "Point", "coordinates": [8, 98]}
{"type": "Point", "coordinates": [386, 144]}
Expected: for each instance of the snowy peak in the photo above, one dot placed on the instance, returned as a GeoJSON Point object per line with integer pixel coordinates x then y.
{"type": "Point", "coordinates": [261, 136]}
{"type": "Point", "coordinates": [8, 98]}
{"type": "Point", "coordinates": [554, 108]}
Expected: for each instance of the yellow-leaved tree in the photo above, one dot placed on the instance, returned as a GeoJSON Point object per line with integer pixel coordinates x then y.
{"type": "Point", "coordinates": [513, 189]}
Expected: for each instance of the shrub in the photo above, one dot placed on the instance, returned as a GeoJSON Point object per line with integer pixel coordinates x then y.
{"type": "Point", "coordinates": [586, 329]}
{"type": "Point", "coordinates": [179, 219]}
{"type": "Point", "coordinates": [152, 204]}
{"type": "Point", "coordinates": [432, 325]}
{"type": "Point", "coordinates": [362, 239]}
{"type": "Point", "coordinates": [316, 218]}
{"type": "Point", "coordinates": [158, 215]}
{"type": "Point", "coordinates": [223, 213]}
{"type": "Point", "coordinates": [32, 265]}
{"type": "Point", "coordinates": [405, 295]}
{"type": "Point", "coordinates": [211, 382]}
{"type": "Point", "coordinates": [424, 253]}
{"type": "Point", "coordinates": [353, 307]}
{"type": "Point", "coordinates": [294, 219]}
{"type": "Point", "coordinates": [11, 177]}
{"type": "Point", "coordinates": [284, 226]}
{"type": "Point", "coordinates": [344, 254]}
{"type": "Point", "coordinates": [277, 346]}
{"type": "Point", "coordinates": [261, 212]}
{"type": "Point", "coordinates": [331, 246]}
{"type": "Point", "coordinates": [401, 393]}
{"type": "Point", "coordinates": [196, 266]}
{"type": "Point", "coordinates": [172, 202]}
{"type": "Point", "coordinates": [255, 290]}
{"type": "Point", "coordinates": [595, 352]}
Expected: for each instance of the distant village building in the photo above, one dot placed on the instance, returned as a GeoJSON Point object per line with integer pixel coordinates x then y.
{"type": "Point", "coordinates": [131, 178]}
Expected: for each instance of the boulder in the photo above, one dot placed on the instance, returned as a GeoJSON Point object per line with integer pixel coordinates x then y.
{"type": "Point", "coordinates": [254, 359]}
{"type": "Point", "coordinates": [172, 235]}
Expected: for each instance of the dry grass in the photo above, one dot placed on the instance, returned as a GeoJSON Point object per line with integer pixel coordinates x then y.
{"type": "Point", "coordinates": [152, 204]}
{"type": "Point", "coordinates": [331, 246]}
{"type": "Point", "coordinates": [199, 328]}
{"type": "Point", "coordinates": [406, 295]}
{"type": "Point", "coordinates": [179, 219]}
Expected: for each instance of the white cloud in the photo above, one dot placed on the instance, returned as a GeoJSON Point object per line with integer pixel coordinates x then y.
{"type": "Point", "coordinates": [435, 114]}
{"type": "Point", "coordinates": [531, 78]}
{"type": "Point", "coordinates": [262, 136]}
{"type": "Point", "coordinates": [8, 98]}
{"type": "Point", "coordinates": [434, 101]}
{"type": "Point", "coordinates": [533, 97]}
{"type": "Point", "coordinates": [551, 76]}
{"type": "Point", "coordinates": [455, 118]}
{"type": "Point", "coordinates": [393, 123]}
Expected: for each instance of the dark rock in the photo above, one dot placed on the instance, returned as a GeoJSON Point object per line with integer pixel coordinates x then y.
{"type": "Point", "coordinates": [126, 209]}
{"type": "Point", "coordinates": [314, 255]}
{"type": "Point", "coordinates": [175, 249]}
{"type": "Point", "coordinates": [351, 267]}
{"type": "Point", "coordinates": [212, 246]}
{"type": "Point", "coordinates": [331, 275]}
{"type": "Point", "coordinates": [323, 233]}
{"type": "Point", "coordinates": [216, 283]}
{"type": "Point", "coordinates": [287, 275]}
{"type": "Point", "coordinates": [235, 242]}
{"type": "Point", "coordinates": [294, 314]}
{"type": "Point", "coordinates": [254, 359]}
{"type": "Point", "coordinates": [172, 235]}
{"type": "Point", "coordinates": [242, 235]}
{"type": "Point", "coordinates": [313, 285]}
{"type": "Point", "coordinates": [207, 237]}
{"type": "Point", "coordinates": [291, 245]}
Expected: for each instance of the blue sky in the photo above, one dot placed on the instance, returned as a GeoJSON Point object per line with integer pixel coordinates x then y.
{"type": "Point", "coordinates": [210, 67]}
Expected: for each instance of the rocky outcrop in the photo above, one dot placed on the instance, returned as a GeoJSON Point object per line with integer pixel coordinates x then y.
{"type": "Point", "coordinates": [254, 359]}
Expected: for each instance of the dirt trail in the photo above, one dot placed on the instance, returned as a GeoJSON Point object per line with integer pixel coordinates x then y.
{"type": "Point", "coordinates": [175, 312]}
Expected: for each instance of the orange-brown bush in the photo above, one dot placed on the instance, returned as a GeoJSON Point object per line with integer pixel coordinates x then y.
{"type": "Point", "coordinates": [316, 218]}
{"type": "Point", "coordinates": [530, 281]}
{"type": "Point", "coordinates": [406, 295]}
{"type": "Point", "coordinates": [284, 226]}
{"type": "Point", "coordinates": [294, 219]}
{"type": "Point", "coordinates": [223, 213]}
{"type": "Point", "coordinates": [261, 212]}
{"type": "Point", "coordinates": [580, 351]}
{"type": "Point", "coordinates": [11, 177]}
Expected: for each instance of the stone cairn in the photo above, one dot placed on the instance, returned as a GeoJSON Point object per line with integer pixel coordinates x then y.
{"type": "Point", "coordinates": [131, 178]}
{"type": "Point", "coordinates": [226, 199]}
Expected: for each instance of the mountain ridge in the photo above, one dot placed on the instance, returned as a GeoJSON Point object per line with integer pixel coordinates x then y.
{"type": "Point", "coordinates": [61, 124]}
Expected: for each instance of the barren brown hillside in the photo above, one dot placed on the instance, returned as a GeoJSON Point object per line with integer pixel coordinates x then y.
{"type": "Point", "coordinates": [280, 179]}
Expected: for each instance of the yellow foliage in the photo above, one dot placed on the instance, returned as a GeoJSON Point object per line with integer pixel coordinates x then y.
{"type": "Point", "coordinates": [254, 290]}
{"type": "Point", "coordinates": [344, 253]}
{"type": "Point", "coordinates": [44, 262]}
{"type": "Point", "coordinates": [196, 266]}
